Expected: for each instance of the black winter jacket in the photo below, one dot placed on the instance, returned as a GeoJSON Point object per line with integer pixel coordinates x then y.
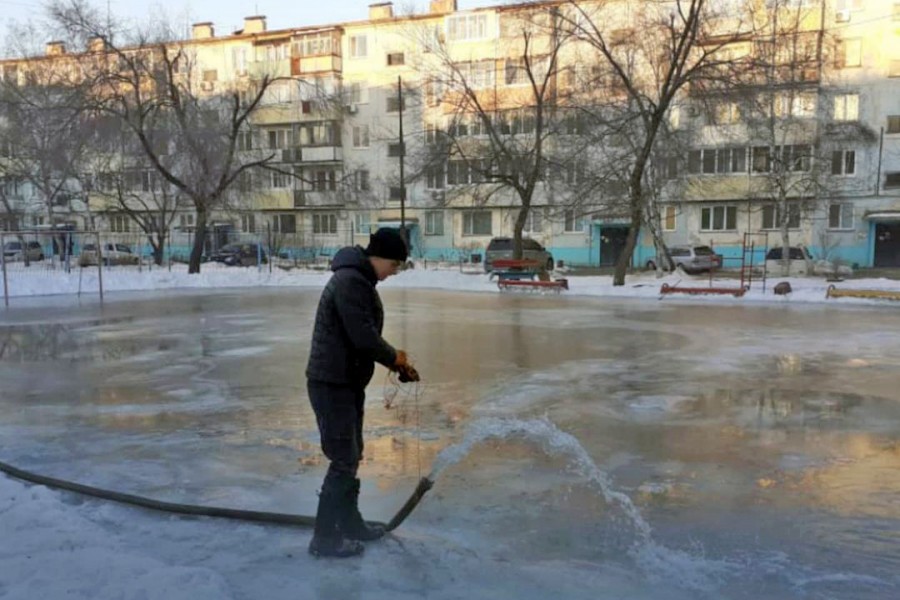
{"type": "Point", "coordinates": [346, 340]}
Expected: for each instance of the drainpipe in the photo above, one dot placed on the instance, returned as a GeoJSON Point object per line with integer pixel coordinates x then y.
{"type": "Point", "coordinates": [880, 151]}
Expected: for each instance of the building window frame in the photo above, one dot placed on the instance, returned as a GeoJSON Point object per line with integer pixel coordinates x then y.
{"type": "Point", "coordinates": [840, 216]}
{"type": "Point", "coordinates": [324, 223]}
{"type": "Point", "coordinates": [718, 218]}
{"type": "Point", "coordinates": [478, 223]}
{"type": "Point", "coordinates": [843, 163]}
{"type": "Point", "coordinates": [434, 222]}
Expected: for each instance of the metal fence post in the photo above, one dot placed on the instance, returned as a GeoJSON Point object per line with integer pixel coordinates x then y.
{"type": "Point", "coordinates": [99, 265]}
{"type": "Point", "coordinates": [3, 261]}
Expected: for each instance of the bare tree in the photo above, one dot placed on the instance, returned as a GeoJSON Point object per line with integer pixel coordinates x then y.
{"type": "Point", "coordinates": [506, 126]}
{"type": "Point", "coordinates": [151, 83]}
{"type": "Point", "coordinates": [47, 140]}
{"type": "Point", "coordinates": [651, 52]}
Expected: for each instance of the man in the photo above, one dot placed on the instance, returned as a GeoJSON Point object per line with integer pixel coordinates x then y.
{"type": "Point", "coordinates": [346, 344]}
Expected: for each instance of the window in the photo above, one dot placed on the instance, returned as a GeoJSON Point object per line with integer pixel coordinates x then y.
{"type": "Point", "coordinates": [895, 14]}
{"type": "Point", "coordinates": [574, 222]}
{"type": "Point", "coordinates": [395, 150]}
{"type": "Point", "coordinates": [893, 124]}
{"type": "Point", "coordinates": [284, 223]}
{"type": "Point", "coordinates": [894, 68]}
{"type": "Point", "coordinates": [668, 218]}
{"type": "Point", "coordinates": [846, 107]}
{"type": "Point", "coordinates": [396, 193]}
{"type": "Point", "coordinates": [477, 222]}
{"type": "Point", "coordinates": [434, 222]}
{"type": "Point", "coordinates": [326, 180]}
{"type": "Point", "coordinates": [771, 217]}
{"type": "Point", "coordinates": [534, 222]}
{"type": "Point", "coordinates": [358, 46]}
{"type": "Point", "coordinates": [361, 136]}
{"type": "Point", "coordinates": [840, 216]}
{"type": "Point", "coordinates": [718, 218]}
{"type": "Point", "coordinates": [724, 113]}
{"type": "Point", "coordinates": [354, 93]}
{"type": "Point", "coordinates": [186, 222]}
{"type": "Point", "coordinates": [280, 138]}
{"type": "Point", "coordinates": [393, 104]}
{"type": "Point", "coordinates": [709, 161]}
{"type": "Point", "coordinates": [466, 27]}
{"type": "Point", "coordinates": [363, 222]}
{"type": "Point", "coordinates": [516, 72]}
{"type": "Point", "coordinates": [843, 162]}
{"type": "Point", "coordinates": [280, 180]}
{"type": "Point", "coordinates": [435, 178]}
{"type": "Point", "coordinates": [119, 223]}
{"type": "Point", "coordinates": [395, 59]}
{"type": "Point", "coordinates": [797, 157]}
{"type": "Point", "coordinates": [458, 172]}
{"type": "Point", "coordinates": [362, 181]}
{"type": "Point", "coordinates": [477, 75]}
{"type": "Point", "coordinates": [248, 223]}
{"type": "Point", "coordinates": [848, 54]}
{"type": "Point", "coordinates": [892, 179]}
{"type": "Point", "coordinates": [313, 45]}
{"type": "Point", "coordinates": [244, 140]}
{"type": "Point", "coordinates": [325, 223]}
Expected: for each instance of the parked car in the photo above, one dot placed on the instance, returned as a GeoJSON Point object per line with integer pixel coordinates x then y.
{"type": "Point", "coordinates": [241, 254]}
{"type": "Point", "coordinates": [693, 259]}
{"type": "Point", "coordinates": [110, 254]}
{"type": "Point", "coordinates": [801, 262]}
{"type": "Point", "coordinates": [13, 251]}
{"type": "Point", "coordinates": [502, 247]}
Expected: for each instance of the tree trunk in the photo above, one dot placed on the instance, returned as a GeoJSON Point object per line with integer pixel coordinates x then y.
{"type": "Point", "coordinates": [199, 239]}
{"type": "Point", "coordinates": [624, 260]}
{"type": "Point", "coordinates": [518, 226]}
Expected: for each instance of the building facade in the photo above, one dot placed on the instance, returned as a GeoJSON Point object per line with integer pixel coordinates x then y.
{"type": "Point", "coordinates": [821, 158]}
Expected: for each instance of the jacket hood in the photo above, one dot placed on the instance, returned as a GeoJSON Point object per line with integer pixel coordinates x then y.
{"type": "Point", "coordinates": [354, 257]}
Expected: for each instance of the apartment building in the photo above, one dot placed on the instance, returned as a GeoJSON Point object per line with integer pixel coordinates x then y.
{"type": "Point", "coordinates": [829, 134]}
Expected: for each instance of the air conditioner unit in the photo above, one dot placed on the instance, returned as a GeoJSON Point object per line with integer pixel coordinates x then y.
{"type": "Point", "coordinates": [351, 109]}
{"type": "Point", "coordinates": [842, 16]}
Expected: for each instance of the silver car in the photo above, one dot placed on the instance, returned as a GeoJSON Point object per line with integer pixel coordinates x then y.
{"type": "Point", "coordinates": [18, 251]}
{"type": "Point", "coordinates": [692, 259]}
{"type": "Point", "coordinates": [502, 247]}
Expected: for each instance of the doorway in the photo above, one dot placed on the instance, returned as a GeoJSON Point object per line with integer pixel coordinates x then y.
{"type": "Point", "coordinates": [887, 245]}
{"type": "Point", "coordinates": [612, 243]}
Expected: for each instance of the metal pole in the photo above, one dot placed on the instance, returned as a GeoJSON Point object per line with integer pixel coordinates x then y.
{"type": "Point", "coordinates": [880, 151]}
{"type": "Point", "coordinates": [99, 265]}
{"type": "Point", "coordinates": [402, 153]}
{"type": "Point", "coordinates": [3, 261]}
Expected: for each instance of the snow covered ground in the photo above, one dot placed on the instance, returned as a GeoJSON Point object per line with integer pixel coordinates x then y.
{"type": "Point", "coordinates": [779, 489]}
{"type": "Point", "coordinates": [39, 282]}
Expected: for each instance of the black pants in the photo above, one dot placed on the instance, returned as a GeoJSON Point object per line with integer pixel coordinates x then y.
{"type": "Point", "coordinates": [339, 414]}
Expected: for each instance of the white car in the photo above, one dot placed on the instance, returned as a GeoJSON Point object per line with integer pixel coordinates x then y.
{"type": "Point", "coordinates": [13, 251]}
{"type": "Point", "coordinates": [111, 254]}
{"type": "Point", "coordinates": [800, 263]}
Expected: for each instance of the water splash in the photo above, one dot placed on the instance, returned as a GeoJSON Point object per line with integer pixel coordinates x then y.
{"type": "Point", "coordinates": [659, 562]}
{"type": "Point", "coordinates": [553, 441]}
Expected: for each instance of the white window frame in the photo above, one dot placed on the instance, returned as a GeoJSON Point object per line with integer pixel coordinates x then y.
{"type": "Point", "coordinates": [842, 218]}
{"type": "Point", "coordinates": [248, 223]}
{"type": "Point", "coordinates": [434, 222]}
{"type": "Point", "coordinates": [360, 136]}
{"type": "Point", "coordinates": [467, 27]}
{"type": "Point", "coordinates": [848, 54]}
{"type": "Point", "coordinates": [469, 222]}
{"type": "Point", "coordinates": [534, 222]}
{"type": "Point", "coordinates": [771, 217]}
{"type": "Point", "coordinates": [573, 222]}
{"type": "Point", "coordinates": [726, 210]}
{"type": "Point", "coordinates": [846, 107]}
{"type": "Point", "coordinates": [359, 46]}
{"type": "Point", "coordinates": [325, 223]}
{"type": "Point", "coordinates": [845, 155]}
{"type": "Point", "coordinates": [363, 222]}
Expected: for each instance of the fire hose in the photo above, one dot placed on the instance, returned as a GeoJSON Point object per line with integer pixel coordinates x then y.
{"type": "Point", "coordinates": [206, 511]}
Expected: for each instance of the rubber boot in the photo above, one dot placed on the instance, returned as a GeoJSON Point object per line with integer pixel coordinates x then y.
{"type": "Point", "coordinates": [328, 540]}
{"type": "Point", "coordinates": [355, 527]}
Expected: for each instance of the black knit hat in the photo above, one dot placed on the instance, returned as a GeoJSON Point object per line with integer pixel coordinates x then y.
{"type": "Point", "coordinates": [387, 243]}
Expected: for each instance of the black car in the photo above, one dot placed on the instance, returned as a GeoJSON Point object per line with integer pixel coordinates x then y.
{"type": "Point", "coordinates": [241, 254]}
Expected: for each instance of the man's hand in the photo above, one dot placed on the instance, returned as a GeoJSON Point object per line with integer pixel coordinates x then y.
{"type": "Point", "coordinates": [404, 368]}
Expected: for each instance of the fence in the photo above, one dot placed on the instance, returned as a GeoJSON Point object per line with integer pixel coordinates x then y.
{"type": "Point", "coordinates": [70, 261]}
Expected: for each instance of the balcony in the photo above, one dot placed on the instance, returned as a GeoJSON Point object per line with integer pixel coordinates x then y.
{"type": "Point", "coordinates": [305, 65]}
{"type": "Point", "coordinates": [272, 68]}
{"type": "Point", "coordinates": [318, 199]}
{"type": "Point", "coordinates": [322, 154]}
